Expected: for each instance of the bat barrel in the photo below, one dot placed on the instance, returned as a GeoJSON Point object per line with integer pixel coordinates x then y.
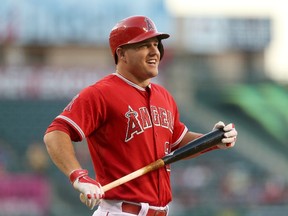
{"type": "Point", "coordinates": [196, 146]}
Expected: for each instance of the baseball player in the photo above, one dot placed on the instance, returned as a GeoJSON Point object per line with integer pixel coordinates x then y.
{"type": "Point", "coordinates": [128, 122]}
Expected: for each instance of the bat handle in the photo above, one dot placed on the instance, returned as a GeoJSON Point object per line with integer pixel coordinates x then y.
{"type": "Point", "coordinates": [152, 166]}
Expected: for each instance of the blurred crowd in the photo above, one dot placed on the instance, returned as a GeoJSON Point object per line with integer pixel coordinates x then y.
{"type": "Point", "coordinates": [25, 192]}
{"type": "Point", "coordinates": [208, 184]}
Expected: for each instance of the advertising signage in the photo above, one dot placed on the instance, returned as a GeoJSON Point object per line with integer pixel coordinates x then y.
{"type": "Point", "coordinates": [66, 21]}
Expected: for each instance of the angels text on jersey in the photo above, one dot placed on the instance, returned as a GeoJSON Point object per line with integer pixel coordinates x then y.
{"type": "Point", "coordinates": [144, 118]}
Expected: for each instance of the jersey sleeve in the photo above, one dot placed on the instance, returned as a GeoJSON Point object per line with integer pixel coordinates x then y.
{"type": "Point", "coordinates": [63, 126]}
{"type": "Point", "coordinates": [82, 115]}
{"type": "Point", "coordinates": [180, 129]}
{"type": "Point", "coordinates": [178, 134]}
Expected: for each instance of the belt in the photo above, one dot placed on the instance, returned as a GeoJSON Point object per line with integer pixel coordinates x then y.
{"type": "Point", "coordinates": [135, 209]}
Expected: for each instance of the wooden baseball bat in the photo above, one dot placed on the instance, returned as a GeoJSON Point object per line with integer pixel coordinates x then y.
{"type": "Point", "coordinates": [194, 147]}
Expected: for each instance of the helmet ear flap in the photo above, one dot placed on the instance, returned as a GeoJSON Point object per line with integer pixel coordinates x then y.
{"type": "Point", "coordinates": [161, 49]}
{"type": "Point", "coordinates": [116, 59]}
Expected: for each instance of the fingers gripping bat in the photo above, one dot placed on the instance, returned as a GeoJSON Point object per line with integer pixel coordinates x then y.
{"type": "Point", "coordinates": [192, 148]}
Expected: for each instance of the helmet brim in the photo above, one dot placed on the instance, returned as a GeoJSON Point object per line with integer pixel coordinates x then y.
{"type": "Point", "coordinates": [147, 36]}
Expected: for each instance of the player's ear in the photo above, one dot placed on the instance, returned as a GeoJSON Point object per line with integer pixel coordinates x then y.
{"type": "Point", "coordinates": [120, 52]}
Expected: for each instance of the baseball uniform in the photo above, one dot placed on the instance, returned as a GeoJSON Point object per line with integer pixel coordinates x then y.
{"type": "Point", "coordinates": [125, 132]}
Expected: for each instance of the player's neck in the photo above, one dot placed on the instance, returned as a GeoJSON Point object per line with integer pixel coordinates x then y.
{"type": "Point", "coordinates": [135, 80]}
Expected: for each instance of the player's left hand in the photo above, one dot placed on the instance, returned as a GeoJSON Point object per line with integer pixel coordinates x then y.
{"type": "Point", "coordinates": [230, 135]}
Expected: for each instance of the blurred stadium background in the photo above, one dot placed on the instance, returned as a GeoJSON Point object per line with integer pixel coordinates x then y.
{"type": "Point", "coordinates": [225, 60]}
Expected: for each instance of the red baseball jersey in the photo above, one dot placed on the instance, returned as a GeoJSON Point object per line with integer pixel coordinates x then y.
{"type": "Point", "coordinates": [127, 127]}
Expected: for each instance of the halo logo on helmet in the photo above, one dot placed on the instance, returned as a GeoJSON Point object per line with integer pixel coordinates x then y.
{"type": "Point", "coordinates": [149, 25]}
{"type": "Point", "coordinates": [134, 29]}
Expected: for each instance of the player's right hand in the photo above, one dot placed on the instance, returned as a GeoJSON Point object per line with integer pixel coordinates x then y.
{"type": "Point", "coordinates": [91, 189]}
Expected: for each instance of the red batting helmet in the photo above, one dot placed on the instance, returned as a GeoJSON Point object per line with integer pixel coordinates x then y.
{"type": "Point", "coordinates": [134, 29]}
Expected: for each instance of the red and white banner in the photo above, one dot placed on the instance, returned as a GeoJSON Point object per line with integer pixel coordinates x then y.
{"type": "Point", "coordinates": [46, 82]}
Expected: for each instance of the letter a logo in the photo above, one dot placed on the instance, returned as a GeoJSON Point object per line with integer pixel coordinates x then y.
{"type": "Point", "coordinates": [133, 124]}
